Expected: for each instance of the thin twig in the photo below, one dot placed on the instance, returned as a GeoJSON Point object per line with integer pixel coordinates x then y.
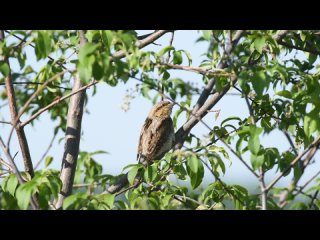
{"type": "Point", "coordinates": [33, 46]}
{"type": "Point", "coordinates": [170, 44]}
{"type": "Point", "coordinates": [142, 43]}
{"type": "Point", "coordinates": [23, 109]}
{"type": "Point", "coordinates": [35, 83]}
{"type": "Point", "coordinates": [304, 49]}
{"type": "Point", "coordinates": [55, 102]}
{"type": "Point", "coordinates": [6, 122]}
{"type": "Point", "coordinates": [183, 199]}
{"type": "Point", "coordinates": [204, 71]}
{"type": "Point", "coordinates": [222, 183]}
{"type": "Point", "coordinates": [23, 143]}
{"type": "Point", "coordinates": [6, 164]}
{"type": "Point", "coordinates": [314, 197]}
{"type": "Point", "coordinates": [240, 158]}
{"type": "Point", "coordinates": [290, 142]}
{"type": "Point", "coordinates": [45, 153]}
{"type": "Point", "coordinates": [314, 144]}
{"type": "Point", "coordinates": [307, 183]}
{"type": "Point", "coordinates": [16, 172]}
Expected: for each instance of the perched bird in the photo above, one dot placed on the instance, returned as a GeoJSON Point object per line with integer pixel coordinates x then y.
{"type": "Point", "coordinates": [157, 134]}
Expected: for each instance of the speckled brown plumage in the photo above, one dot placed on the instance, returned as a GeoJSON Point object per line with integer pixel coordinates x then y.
{"type": "Point", "coordinates": [157, 134]}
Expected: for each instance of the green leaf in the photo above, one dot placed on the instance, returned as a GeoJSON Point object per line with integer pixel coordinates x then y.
{"type": "Point", "coordinates": [48, 161]}
{"type": "Point", "coordinates": [285, 93]}
{"type": "Point", "coordinates": [256, 161]}
{"type": "Point", "coordinates": [177, 57]}
{"type": "Point", "coordinates": [99, 152]}
{"type": "Point", "coordinates": [43, 44]}
{"type": "Point", "coordinates": [230, 119]}
{"type": "Point", "coordinates": [132, 174]}
{"type": "Point", "coordinates": [165, 50]}
{"type": "Point", "coordinates": [4, 68]}
{"type": "Point", "coordinates": [297, 172]}
{"type": "Point", "coordinates": [259, 82]}
{"type": "Point", "coordinates": [311, 122]}
{"type": "Point", "coordinates": [107, 199]}
{"type": "Point", "coordinates": [132, 165]}
{"type": "Point", "coordinates": [151, 173]}
{"type": "Point", "coordinates": [85, 50]}
{"type": "Point", "coordinates": [180, 172]}
{"type": "Point", "coordinates": [97, 70]}
{"type": "Point", "coordinates": [195, 171]}
{"type": "Point", "coordinates": [188, 55]}
{"type": "Point", "coordinates": [207, 34]}
{"type": "Point", "coordinates": [12, 184]}
{"type": "Point", "coordinates": [259, 43]}
{"type": "Point", "coordinates": [85, 69]}
{"type": "Point", "coordinates": [75, 201]}
{"type": "Point", "coordinates": [254, 141]}
{"type": "Point", "coordinates": [24, 193]}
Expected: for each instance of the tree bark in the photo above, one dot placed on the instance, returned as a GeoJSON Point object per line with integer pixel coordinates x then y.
{"type": "Point", "coordinates": [72, 137]}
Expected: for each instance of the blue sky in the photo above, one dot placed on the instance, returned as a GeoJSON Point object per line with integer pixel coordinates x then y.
{"type": "Point", "coordinates": [111, 129]}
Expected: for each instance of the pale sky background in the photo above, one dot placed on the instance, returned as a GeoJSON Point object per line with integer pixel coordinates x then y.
{"type": "Point", "coordinates": [109, 128]}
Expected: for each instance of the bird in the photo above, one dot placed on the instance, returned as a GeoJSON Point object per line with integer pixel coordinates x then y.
{"type": "Point", "coordinates": [157, 134]}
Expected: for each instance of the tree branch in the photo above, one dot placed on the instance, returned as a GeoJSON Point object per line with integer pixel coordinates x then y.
{"type": "Point", "coordinates": [140, 44]}
{"type": "Point", "coordinates": [203, 71]}
{"type": "Point", "coordinates": [304, 49]}
{"type": "Point", "coordinates": [310, 148]}
{"type": "Point", "coordinates": [14, 118]}
{"type": "Point", "coordinates": [33, 46]}
{"type": "Point", "coordinates": [55, 102]}
{"type": "Point", "coordinates": [222, 64]}
{"type": "Point", "coordinates": [222, 183]}
{"type": "Point", "coordinates": [15, 170]}
{"type": "Point", "coordinates": [72, 137]}
{"type": "Point", "coordinates": [27, 103]}
{"type": "Point", "coordinates": [46, 152]}
{"type": "Point", "coordinates": [183, 131]}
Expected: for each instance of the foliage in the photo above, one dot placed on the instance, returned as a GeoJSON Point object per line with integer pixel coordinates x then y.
{"type": "Point", "coordinates": [282, 92]}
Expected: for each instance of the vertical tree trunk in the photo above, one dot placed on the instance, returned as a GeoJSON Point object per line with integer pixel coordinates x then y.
{"type": "Point", "coordinates": [72, 138]}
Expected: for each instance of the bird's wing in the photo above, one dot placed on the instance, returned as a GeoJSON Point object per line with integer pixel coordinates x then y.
{"type": "Point", "coordinates": [155, 138]}
{"type": "Point", "coordinates": [144, 129]}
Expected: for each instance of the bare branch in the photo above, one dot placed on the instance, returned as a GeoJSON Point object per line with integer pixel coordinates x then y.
{"type": "Point", "coordinates": [23, 109]}
{"type": "Point", "coordinates": [15, 170]}
{"type": "Point", "coordinates": [304, 49]}
{"type": "Point", "coordinates": [183, 131]}
{"type": "Point", "coordinates": [35, 83]}
{"type": "Point", "coordinates": [140, 44]}
{"type": "Point", "coordinates": [46, 152]}
{"type": "Point", "coordinates": [290, 142]}
{"type": "Point", "coordinates": [6, 164]}
{"type": "Point", "coordinates": [311, 147]}
{"type": "Point", "coordinates": [170, 44]}
{"type": "Point", "coordinates": [240, 158]}
{"type": "Point", "coordinates": [203, 71]}
{"type": "Point", "coordinates": [55, 102]}
{"type": "Point", "coordinates": [72, 137]}
{"type": "Point", "coordinates": [222, 64]}
{"type": "Point", "coordinates": [222, 183]}
{"type": "Point", "coordinates": [314, 197]}
{"type": "Point", "coordinates": [6, 122]}
{"type": "Point", "coordinates": [14, 119]}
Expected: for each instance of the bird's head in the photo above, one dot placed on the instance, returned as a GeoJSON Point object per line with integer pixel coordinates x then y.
{"type": "Point", "coordinates": [161, 110]}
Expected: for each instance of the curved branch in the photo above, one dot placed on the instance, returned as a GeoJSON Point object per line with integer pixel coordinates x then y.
{"type": "Point", "coordinates": [140, 44]}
